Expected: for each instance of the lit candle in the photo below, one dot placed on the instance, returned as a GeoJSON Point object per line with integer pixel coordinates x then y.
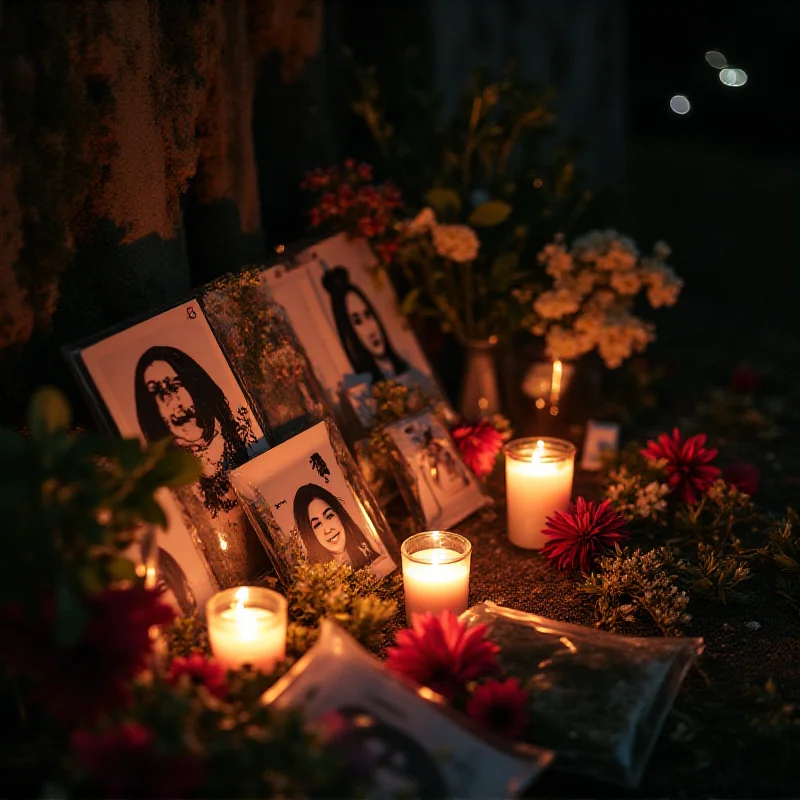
{"type": "Point", "coordinates": [247, 625]}
{"type": "Point", "coordinates": [436, 572]}
{"type": "Point", "coordinates": [538, 482]}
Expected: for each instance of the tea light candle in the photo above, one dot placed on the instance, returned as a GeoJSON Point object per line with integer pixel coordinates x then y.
{"type": "Point", "coordinates": [539, 476]}
{"type": "Point", "coordinates": [436, 572]}
{"type": "Point", "coordinates": [247, 625]}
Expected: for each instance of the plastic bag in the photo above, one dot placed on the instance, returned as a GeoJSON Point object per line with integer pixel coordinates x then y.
{"type": "Point", "coordinates": [599, 699]}
{"type": "Point", "coordinates": [419, 745]}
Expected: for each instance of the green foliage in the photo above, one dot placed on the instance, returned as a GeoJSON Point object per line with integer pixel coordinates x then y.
{"type": "Point", "coordinates": [490, 213]}
{"type": "Point", "coordinates": [636, 586]}
{"type": "Point", "coordinates": [72, 505]}
{"type": "Point", "coordinates": [717, 577]}
{"type": "Point", "coordinates": [783, 552]}
{"type": "Point", "coordinates": [188, 635]}
{"type": "Point", "coordinates": [360, 602]}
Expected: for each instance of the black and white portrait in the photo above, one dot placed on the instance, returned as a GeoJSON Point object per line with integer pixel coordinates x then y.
{"type": "Point", "coordinates": [414, 747]}
{"type": "Point", "coordinates": [167, 377]}
{"type": "Point", "coordinates": [299, 495]}
{"type": "Point", "coordinates": [448, 492]}
{"type": "Point", "coordinates": [363, 313]}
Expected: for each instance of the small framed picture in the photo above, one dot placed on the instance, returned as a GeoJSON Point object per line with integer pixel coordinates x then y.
{"type": "Point", "coordinates": [164, 377]}
{"type": "Point", "coordinates": [257, 338]}
{"type": "Point", "coordinates": [601, 443]}
{"type": "Point", "coordinates": [419, 746]}
{"type": "Point", "coordinates": [310, 503]}
{"type": "Point", "coordinates": [361, 309]}
{"type": "Point", "coordinates": [440, 489]}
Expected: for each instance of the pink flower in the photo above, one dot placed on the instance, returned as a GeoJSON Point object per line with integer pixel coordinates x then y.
{"type": "Point", "coordinates": [581, 534]}
{"type": "Point", "coordinates": [689, 471]}
{"type": "Point", "coordinates": [479, 445]}
{"type": "Point", "coordinates": [501, 707]}
{"type": "Point", "coordinates": [200, 671]}
{"type": "Point", "coordinates": [440, 652]}
{"type": "Point", "coordinates": [744, 475]}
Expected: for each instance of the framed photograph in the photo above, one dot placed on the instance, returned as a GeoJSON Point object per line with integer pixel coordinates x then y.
{"type": "Point", "coordinates": [420, 747]}
{"type": "Point", "coordinates": [292, 289]}
{"type": "Point", "coordinates": [310, 503]}
{"type": "Point", "coordinates": [167, 376]}
{"type": "Point", "coordinates": [601, 443]}
{"type": "Point", "coordinates": [439, 487]}
{"type": "Point", "coordinates": [361, 308]}
{"type": "Point", "coordinates": [258, 340]}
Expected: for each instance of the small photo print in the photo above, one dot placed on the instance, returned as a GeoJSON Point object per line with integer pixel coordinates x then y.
{"type": "Point", "coordinates": [362, 310]}
{"type": "Point", "coordinates": [306, 508]}
{"type": "Point", "coordinates": [419, 747]}
{"type": "Point", "coordinates": [167, 376]}
{"type": "Point", "coordinates": [600, 444]}
{"type": "Point", "coordinates": [446, 491]}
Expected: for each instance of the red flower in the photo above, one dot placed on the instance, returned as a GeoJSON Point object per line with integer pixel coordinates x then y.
{"type": "Point", "coordinates": [125, 762]}
{"type": "Point", "coordinates": [582, 533]}
{"type": "Point", "coordinates": [688, 466]}
{"type": "Point", "coordinates": [440, 652]}
{"type": "Point", "coordinates": [745, 380]}
{"type": "Point", "coordinates": [199, 671]}
{"type": "Point", "coordinates": [479, 445]}
{"type": "Point", "coordinates": [744, 476]}
{"type": "Point", "coordinates": [501, 707]}
{"type": "Point", "coordinates": [93, 675]}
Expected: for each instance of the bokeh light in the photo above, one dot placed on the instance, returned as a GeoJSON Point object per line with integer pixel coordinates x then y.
{"type": "Point", "coordinates": [680, 104]}
{"type": "Point", "coordinates": [733, 77]}
{"type": "Point", "coordinates": [716, 59]}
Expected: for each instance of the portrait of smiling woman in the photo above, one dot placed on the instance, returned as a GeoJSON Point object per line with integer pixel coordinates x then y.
{"type": "Point", "coordinates": [328, 532]}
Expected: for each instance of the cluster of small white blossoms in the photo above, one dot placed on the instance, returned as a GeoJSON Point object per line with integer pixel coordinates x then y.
{"type": "Point", "coordinates": [634, 499]}
{"type": "Point", "coordinates": [594, 286]}
{"type": "Point", "coordinates": [457, 243]}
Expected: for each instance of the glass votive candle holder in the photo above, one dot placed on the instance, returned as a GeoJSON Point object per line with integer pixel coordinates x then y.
{"type": "Point", "coordinates": [247, 625]}
{"type": "Point", "coordinates": [436, 572]}
{"type": "Point", "coordinates": [539, 473]}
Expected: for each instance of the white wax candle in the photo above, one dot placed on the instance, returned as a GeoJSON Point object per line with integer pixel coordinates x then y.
{"type": "Point", "coordinates": [435, 585]}
{"type": "Point", "coordinates": [242, 635]}
{"type": "Point", "coordinates": [535, 489]}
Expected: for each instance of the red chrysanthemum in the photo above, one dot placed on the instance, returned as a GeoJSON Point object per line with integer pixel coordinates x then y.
{"type": "Point", "coordinates": [125, 762]}
{"type": "Point", "coordinates": [199, 671]}
{"type": "Point", "coordinates": [688, 463]}
{"type": "Point", "coordinates": [744, 476]}
{"type": "Point", "coordinates": [501, 707]}
{"type": "Point", "coordinates": [479, 445]}
{"type": "Point", "coordinates": [77, 683]}
{"type": "Point", "coordinates": [440, 652]}
{"type": "Point", "coordinates": [745, 380]}
{"type": "Point", "coordinates": [577, 537]}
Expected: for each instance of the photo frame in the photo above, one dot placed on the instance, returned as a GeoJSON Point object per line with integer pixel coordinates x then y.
{"type": "Point", "coordinates": [257, 338]}
{"type": "Point", "coordinates": [420, 746]}
{"type": "Point", "coordinates": [439, 489]}
{"type": "Point", "coordinates": [309, 502]}
{"type": "Point", "coordinates": [166, 375]}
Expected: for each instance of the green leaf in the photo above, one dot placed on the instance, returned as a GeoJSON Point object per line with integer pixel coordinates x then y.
{"type": "Point", "coordinates": [503, 270]}
{"type": "Point", "coordinates": [442, 200]}
{"type": "Point", "coordinates": [122, 569]}
{"type": "Point", "coordinates": [72, 615]}
{"type": "Point", "coordinates": [176, 467]}
{"type": "Point", "coordinates": [490, 213]}
{"type": "Point", "coordinates": [48, 413]}
{"type": "Point", "coordinates": [150, 511]}
{"type": "Point", "coordinates": [409, 302]}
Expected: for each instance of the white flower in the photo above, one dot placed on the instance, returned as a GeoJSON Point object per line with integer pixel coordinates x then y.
{"type": "Point", "coordinates": [651, 499]}
{"type": "Point", "coordinates": [663, 285]}
{"type": "Point", "coordinates": [556, 303]}
{"type": "Point", "coordinates": [627, 282]}
{"type": "Point", "coordinates": [608, 249]}
{"type": "Point", "coordinates": [565, 344]}
{"type": "Point", "coordinates": [457, 242]}
{"type": "Point", "coordinates": [422, 223]}
{"type": "Point", "coordinates": [557, 261]}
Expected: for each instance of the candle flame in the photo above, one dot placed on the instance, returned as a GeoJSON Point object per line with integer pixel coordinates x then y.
{"type": "Point", "coordinates": [242, 595]}
{"type": "Point", "coordinates": [436, 557]}
{"type": "Point", "coordinates": [537, 454]}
